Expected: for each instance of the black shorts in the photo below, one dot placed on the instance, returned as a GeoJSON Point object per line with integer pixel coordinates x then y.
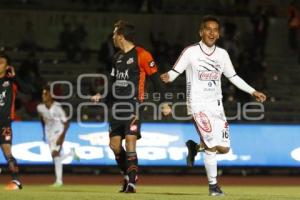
{"type": "Point", "coordinates": [122, 128]}
{"type": "Point", "coordinates": [5, 134]}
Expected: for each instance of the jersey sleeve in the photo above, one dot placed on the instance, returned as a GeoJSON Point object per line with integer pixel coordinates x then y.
{"type": "Point", "coordinates": [241, 84]}
{"type": "Point", "coordinates": [182, 62]}
{"type": "Point", "coordinates": [228, 67]}
{"type": "Point", "coordinates": [146, 62]}
{"type": "Point", "coordinates": [39, 108]}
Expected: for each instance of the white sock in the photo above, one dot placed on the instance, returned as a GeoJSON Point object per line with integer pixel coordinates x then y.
{"type": "Point", "coordinates": [64, 156]}
{"type": "Point", "coordinates": [210, 162]}
{"type": "Point", "coordinates": [58, 169]}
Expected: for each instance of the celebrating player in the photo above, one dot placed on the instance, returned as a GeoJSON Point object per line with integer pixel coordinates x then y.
{"type": "Point", "coordinates": [204, 64]}
{"type": "Point", "coordinates": [55, 126]}
{"type": "Point", "coordinates": [131, 65]}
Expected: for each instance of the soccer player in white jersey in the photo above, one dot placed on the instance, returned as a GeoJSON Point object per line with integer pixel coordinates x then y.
{"type": "Point", "coordinates": [55, 126]}
{"type": "Point", "coordinates": [204, 63]}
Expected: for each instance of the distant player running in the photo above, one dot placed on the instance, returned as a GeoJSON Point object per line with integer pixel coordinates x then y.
{"type": "Point", "coordinates": [55, 126]}
{"type": "Point", "coordinates": [204, 64]}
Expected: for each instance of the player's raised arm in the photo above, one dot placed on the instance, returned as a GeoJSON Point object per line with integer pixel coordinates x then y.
{"type": "Point", "coordinates": [22, 86]}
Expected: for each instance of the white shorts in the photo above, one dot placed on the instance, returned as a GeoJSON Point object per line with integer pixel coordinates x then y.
{"type": "Point", "coordinates": [52, 139]}
{"type": "Point", "coordinates": [212, 127]}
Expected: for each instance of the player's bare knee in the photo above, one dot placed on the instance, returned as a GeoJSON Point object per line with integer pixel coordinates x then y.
{"type": "Point", "coordinates": [213, 149]}
{"type": "Point", "coordinates": [223, 150]}
{"type": "Point", "coordinates": [115, 148]}
{"type": "Point", "coordinates": [54, 154]}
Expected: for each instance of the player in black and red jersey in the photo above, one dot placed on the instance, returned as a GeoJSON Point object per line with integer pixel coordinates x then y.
{"type": "Point", "coordinates": [9, 84]}
{"type": "Point", "coordinates": [131, 65]}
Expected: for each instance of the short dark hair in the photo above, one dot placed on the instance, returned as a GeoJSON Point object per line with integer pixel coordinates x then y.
{"type": "Point", "coordinates": [126, 29]}
{"type": "Point", "coordinates": [207, 18]}
{"type": "Point", "coordinates": [3, 55]}
{"type": "Point", "coordinates": [47, 87]}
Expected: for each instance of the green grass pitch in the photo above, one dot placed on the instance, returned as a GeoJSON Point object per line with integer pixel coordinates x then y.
{"type": "Point", "coordinates": [145, 192]}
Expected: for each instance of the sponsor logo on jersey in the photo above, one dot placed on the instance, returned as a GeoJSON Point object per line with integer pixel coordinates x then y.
{"type": "Point", "coordinates": [129, 61]}
{"type": "Point", "coordinates": [122, 75]}
{"type": "Point", "coordinates": [209, 75]}
{"type": "Point", "coordinates": [203, 122]}
{"type": "Point", "coordinates": [121, 83]}
{"type": "Point", "coordinates": [209, 89]}
{"type": "Point", "coordinates": [152, 64]}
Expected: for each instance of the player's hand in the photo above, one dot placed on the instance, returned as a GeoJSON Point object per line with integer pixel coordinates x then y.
{"type": "Point", "coordinates": [166, 109]}
{"type": "Point", "coordinates": [165, 77]}
{"type": "Point", "coordinates": [96, 98]}
{"type": "Point", "coordinates": [10, 72]}
{"type": "Point", "coordinates": [259, 96]}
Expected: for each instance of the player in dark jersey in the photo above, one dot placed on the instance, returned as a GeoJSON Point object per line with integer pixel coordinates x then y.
{"type": "Point", "coordinates": [131, 65]}
{"type": "Point", "coordinates": [8, 88]}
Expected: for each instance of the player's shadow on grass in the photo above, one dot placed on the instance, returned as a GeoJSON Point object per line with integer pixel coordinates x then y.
{"type": "Point", "coordinates": [169, 193]}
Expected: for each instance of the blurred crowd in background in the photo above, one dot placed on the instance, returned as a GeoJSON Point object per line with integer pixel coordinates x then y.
{"type": "Point", "coordinates": [247, 49]}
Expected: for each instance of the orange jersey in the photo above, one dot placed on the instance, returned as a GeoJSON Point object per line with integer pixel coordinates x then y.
{"type": "Point", "coordinates": [129, 71]}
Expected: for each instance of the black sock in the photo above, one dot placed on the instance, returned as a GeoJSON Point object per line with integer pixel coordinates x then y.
{"type": "Point", "coordinates": [132, 162]}
{"type": "Point", "coordinates": [13, 168]}
{"type": "Point", "coordinates": [121, 161]}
